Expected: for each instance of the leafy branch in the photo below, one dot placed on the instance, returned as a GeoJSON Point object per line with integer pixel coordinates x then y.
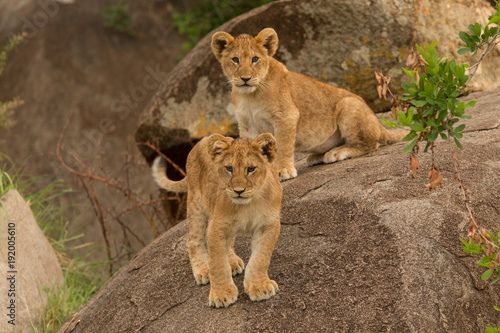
{"type": "Point", "coordinates": [431, 109]}
{"type": "Point", "coordinates": [478, 38]}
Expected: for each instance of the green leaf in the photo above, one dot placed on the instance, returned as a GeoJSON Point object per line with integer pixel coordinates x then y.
{"type": "Point", "coordinates": [418, 103]}
{"type": "Point", "coordinates": [486, 275]}
{"type": "Point", "coordinates": [463, 50]}
{"type": "Point", "coordinates": [402, 119]}
{"type": "Point", "coordinates": [474, 248]}
{"type": "Point", "coordinates": [411, 112]}
{"type": "Point", "coordinates": [485, 261]}
{"type": "Point", "coordinates": [494, 19]}
{"type": "Point", "coordinates": [409, 73]}
{"type": "Point", "coordinates": [429, 88]}
{"type": "Point", "coordinates": [412, 135]}
{"type": "Point", "coordinates": [471, 29]}
{"type": "Point", "coordinates": [417, 127]}
{"type": "Point", "coordinates": [496, 308]}
{"type": "Point", "coordinates": [443, 136]}
{"type": "Point", "coordinates": [470, 104]}
{"type": "Point", "coordinates": [491, 330]}
{"type": "Point", "coordinates": [492, 236]}
{"type": "Point", "coordinates": [495, 281]}
{"type": "Point", "coordinates": [405, 120]}
{"type": "Point", "coordinates": [459, 145]}
{"type": "Point", "coordinates": [442, 115]}
{"type": "Point", "coordinates": [464, 36]}
{"type": "Point", "coordinates": [460, 128]}
{"type": "Point", "coordinates": [389, 123]}
{"type": "Point", "coordinates": [409, 147]}
{"type": "Point", "coordinates": [460, 109]}
{"type": "Point", "coordinates": [432, 137]}
{"type": "Point", "coordinates": [475, 29]}
{"type": "Point", "coordinates": [463, 241]}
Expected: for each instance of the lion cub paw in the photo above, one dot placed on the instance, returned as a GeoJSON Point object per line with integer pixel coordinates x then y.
{"type": "Point", "coordinates": [314, 159]}
{"type": "Point", "coordinates": [236, 264]}
{"type": "Point", "coordinates": [287, 173]}
{"type": "Point", "coordinates": [223, 297]}
{"type": "Point", "coordinates": [201, 274]}
{"type": "Point", "coordinates": [261, 290]}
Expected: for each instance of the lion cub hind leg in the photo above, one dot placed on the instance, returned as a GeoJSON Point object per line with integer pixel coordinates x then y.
{"type": "Point", "coordinates": [257, 283]}
{"type": "Point", "coordinates": [346, 151]}
{"type": "Point", "coordinates": [235, 262]}
{"type": "Point", "coordinates": [314, 159]}
{"type": "Point", "coordinates": [198, 255]}
{"type": "Point", "coordinates": [359, 129]}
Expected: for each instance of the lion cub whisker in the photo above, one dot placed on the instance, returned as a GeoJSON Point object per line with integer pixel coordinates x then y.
{"type": "Point", "coordinates": [231, 189]}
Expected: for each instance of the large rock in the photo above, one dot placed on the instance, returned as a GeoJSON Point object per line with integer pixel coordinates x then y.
{"type": "Point", "coordinates": [363, 248]}
{"type": "Point", "coordinates": [28, 264]}
{"type": "Point", "coordinates": [340, 42]}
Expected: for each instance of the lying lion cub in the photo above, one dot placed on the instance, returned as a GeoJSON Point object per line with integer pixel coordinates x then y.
{"type": "Point", "coordinates": [231, 184]}
{"type": "Point", "coordinates": [304, 114]}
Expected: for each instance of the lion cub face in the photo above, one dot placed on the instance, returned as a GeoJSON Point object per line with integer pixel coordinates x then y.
{"type": "Point", "coordinates": [245, 59]}
{"type": "Point", "coordinates": [242, 164]}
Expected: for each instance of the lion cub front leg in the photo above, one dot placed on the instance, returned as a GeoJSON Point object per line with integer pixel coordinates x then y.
{"type": "Point", "coordinates": [285, 128]}
{"type": "Point", "coordinates": [223, 291]}
{"type": "Point", "coordinates": [196, 244]}
{"type": "Point", "coordinates": [257, 283]}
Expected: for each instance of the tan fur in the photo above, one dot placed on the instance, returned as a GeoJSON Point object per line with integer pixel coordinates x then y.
{"type": "Point", "coordinates": [304, 115]}
{"type": "Point", "coordinates": [222, 204]}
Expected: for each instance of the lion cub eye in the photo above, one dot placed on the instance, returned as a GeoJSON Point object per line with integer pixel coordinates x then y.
{"type": "Point", "coordinates": [236, 60]}
{"type": "Point", "coordinates": [255, 59]}
{"type": "Point", "coordinates": [229, 169]}
{"type": "Point", "coordinates": [250, 169]}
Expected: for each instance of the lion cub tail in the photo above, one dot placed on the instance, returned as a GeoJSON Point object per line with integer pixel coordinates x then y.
{"type": "Point", "coordinates": [159, 168]}
{"type": "Point", "coordinates": [389, 137]}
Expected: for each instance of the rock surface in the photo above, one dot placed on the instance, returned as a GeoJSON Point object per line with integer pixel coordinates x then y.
{"type": "Point", "coordinates": [363, 248]}
{"type": "Point", "coordinates": [340, 42]}
{"type": "Point", "coordinates": [35, 265]}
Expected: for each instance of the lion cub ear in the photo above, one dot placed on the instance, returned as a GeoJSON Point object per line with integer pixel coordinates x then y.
{"type": "Point", "coordinates": [269, 39]}
{"type": "Point", "coordinates": [220, 40]}
{"type": "Point", "coordinates": [217, 143]}
{"type": "Point", "coordinates": [267, 145]}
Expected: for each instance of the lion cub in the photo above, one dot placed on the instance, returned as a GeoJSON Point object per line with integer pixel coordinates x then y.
{"type": "Point", "coordinates": [305, 115]}
{"type": "Point", "coordinates": [232, 189]}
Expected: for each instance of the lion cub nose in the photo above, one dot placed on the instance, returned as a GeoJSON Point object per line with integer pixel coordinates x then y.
{"type": "Point", "coordinates": [246, 79]}
{"type": "Point", "coordinates": [239, 192]}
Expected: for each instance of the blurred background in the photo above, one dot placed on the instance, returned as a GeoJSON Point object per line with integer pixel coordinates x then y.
{"type": "Point", "coordinates": [94, 65]}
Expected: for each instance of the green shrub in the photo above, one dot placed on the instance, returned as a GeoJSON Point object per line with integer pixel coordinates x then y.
{"type": "Point", "coordinates": [207, 15]}
{"type": "Point", "coordinates": [118, 19]}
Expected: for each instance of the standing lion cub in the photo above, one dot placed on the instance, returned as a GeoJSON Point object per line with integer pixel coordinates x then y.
{"type": "Point", "coordinates": [306, 115]}
{"type": "Point", "coordinates": [232, 188]}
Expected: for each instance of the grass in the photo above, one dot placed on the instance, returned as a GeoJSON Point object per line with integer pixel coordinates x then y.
{"type": "Point", "coordinates": [118, 19]}
{"type": "Point", "coordinates": [82, 277]}
{"type": "Point", "coordinates": [207, 15]}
